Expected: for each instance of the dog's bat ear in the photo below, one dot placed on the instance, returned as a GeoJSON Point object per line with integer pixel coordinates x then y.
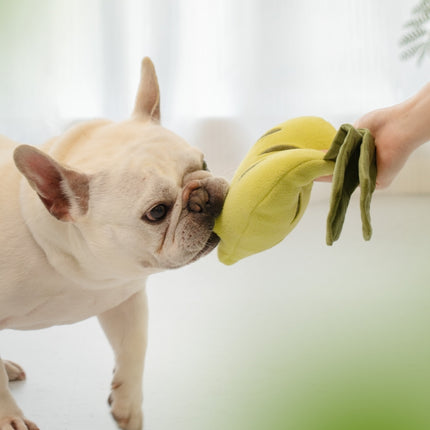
{"type": "Point", "coordinates": [63, 191]}
{"type": "Point", "coordinates": [147, 105]}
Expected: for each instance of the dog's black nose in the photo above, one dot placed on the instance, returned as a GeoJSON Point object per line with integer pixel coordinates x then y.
{"type": "Point", "coordinates": [205, 197]}
{"type": "Point", "coordinates": [198, 201]}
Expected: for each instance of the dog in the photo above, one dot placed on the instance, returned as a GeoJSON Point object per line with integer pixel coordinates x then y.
{"type": "Point", "coordinates": [85, 220]}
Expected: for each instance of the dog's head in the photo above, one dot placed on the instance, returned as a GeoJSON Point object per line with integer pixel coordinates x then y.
{"type": "Point", "coordinates": [134, 197]}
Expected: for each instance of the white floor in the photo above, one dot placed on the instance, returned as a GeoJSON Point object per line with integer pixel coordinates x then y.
{"type": "Point", "coordinates": [301, 337]}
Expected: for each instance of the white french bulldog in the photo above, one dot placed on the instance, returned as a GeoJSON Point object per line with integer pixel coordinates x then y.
{"type": "Point", "coordinates": [111, 204]}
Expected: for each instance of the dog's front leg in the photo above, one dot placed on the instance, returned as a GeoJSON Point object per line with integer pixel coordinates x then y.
{"type": "Point", "coordinates": [11, 416]}
{"type": "Point", "coordinates": [126, 328]}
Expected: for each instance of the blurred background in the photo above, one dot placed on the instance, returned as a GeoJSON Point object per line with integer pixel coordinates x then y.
{"type": "Point", "coordinates": [301, 337]}
{"type": "Point", "coordinates": [228, 70]}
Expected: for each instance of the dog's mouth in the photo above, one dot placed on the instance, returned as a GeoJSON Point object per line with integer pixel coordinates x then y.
{"type": "Point", "coordinates": [209, 246]}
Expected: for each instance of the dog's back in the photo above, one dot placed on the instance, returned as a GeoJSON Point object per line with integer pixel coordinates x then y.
{"type": "Point", "coordinates": [9, 175]}
{"type": "Point", "coordinates": [6, 150]}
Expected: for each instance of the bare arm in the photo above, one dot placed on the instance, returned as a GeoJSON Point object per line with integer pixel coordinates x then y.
{"type": "Point", "coordinates": [398, 131]}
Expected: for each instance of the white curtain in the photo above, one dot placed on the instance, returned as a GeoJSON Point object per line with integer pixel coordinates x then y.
{"type": "Point", "coordinates": [228, 69]}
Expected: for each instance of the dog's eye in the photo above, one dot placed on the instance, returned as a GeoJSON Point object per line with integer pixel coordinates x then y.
{"type": "Point", "coordinates": [205, 166]}
{"type": "Point", "coordinates": [157, 213]}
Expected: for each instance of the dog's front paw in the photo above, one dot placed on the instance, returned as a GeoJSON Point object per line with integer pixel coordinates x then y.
{"type": "Point", "coordinates": [11, 417]}
{"type": "Point", "coordinates": [14, 371]}
{"type": "Point", "coordinates": [16, 423]}
{"type": "Point", "coordinates": [126, 407]}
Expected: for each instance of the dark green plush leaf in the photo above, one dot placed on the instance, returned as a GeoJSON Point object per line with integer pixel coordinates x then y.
{"type": "Point", "coordinates": [355, 164]}
{"type": "Point", "coordinates": [367, 176]}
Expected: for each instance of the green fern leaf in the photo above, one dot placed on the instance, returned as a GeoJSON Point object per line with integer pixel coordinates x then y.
{"type": "Point", "coordinates": [410, 52]}
{"type": "Point", "coordinates": [419, 21]}
{"type": "Point", "coordinates": [413, 36]}
{"type": "Point", "coordinates": [416, 40]}
{"type": "Point", "coordinates": [424, 5]}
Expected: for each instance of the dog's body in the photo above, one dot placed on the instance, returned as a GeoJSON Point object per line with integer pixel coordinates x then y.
{"type": "Point", "coordinates": [111, 204]}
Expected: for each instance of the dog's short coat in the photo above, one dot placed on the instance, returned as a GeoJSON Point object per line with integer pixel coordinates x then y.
{"type": "Point", "coordinates": [85, 220]}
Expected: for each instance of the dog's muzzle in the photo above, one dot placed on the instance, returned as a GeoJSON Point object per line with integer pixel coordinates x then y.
{"type": "Point", "coordinates": [204, 198]}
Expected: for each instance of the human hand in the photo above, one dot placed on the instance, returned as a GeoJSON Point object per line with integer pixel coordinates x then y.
{"type": "Point", "coordinates": [392, 145]}
{"type": "Point", "coordinates": [398, 130]}
{"type": "Point", "coordinates": [392, 148]}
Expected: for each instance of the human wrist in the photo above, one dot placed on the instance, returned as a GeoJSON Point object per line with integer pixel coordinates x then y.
{"type": "Point", "coordinates": [412, 119]}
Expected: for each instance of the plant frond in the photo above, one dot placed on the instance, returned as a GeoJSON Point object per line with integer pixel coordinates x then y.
{"type": "Point", "coordinates": [412, 36]}
{"type": "Point", "coordinates": [413, 40]}
{"type": "Point", "coordinates": [419, 21]}
{"type": "Point", "coordinates": [424, 5]}
{"type": "Point", "coordinates": [411, 52]}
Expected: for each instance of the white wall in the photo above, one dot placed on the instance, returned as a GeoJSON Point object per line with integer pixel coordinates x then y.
{"type": "Point", "coordinates": [228, 70]}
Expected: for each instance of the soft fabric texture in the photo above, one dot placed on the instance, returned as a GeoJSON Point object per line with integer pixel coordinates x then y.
{"type": "Point", "coordinates": [354, 153]}
{"type": "Point", "coordinates": [271, 188]}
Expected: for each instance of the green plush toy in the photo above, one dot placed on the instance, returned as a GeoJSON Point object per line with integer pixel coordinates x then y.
{"type": "Point", "coordinates": [272, 186]}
